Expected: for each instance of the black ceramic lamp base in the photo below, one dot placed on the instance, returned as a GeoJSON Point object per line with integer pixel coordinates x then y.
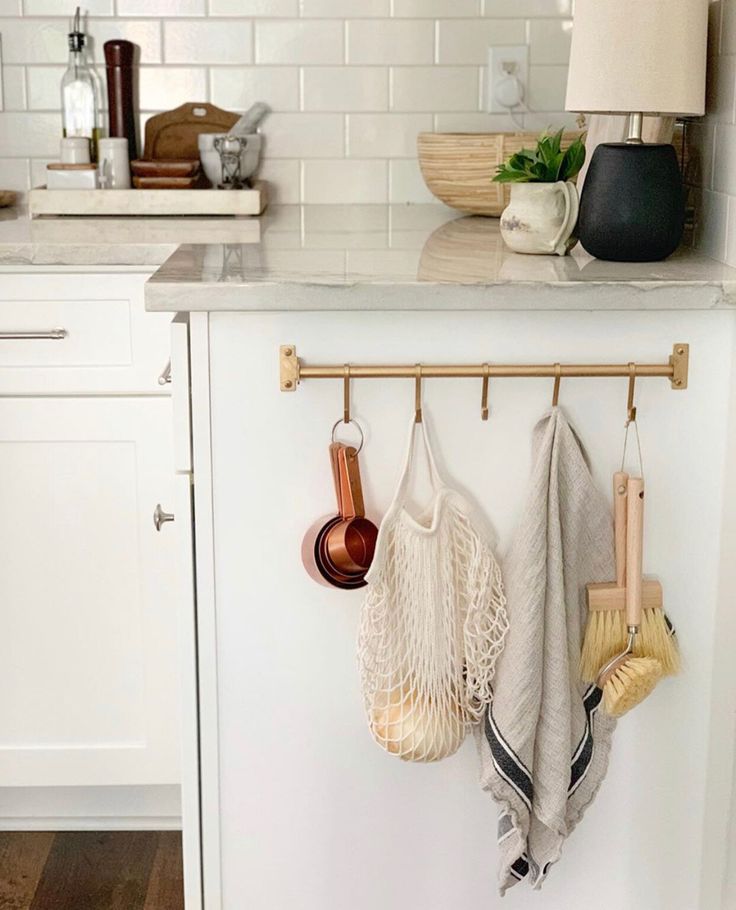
{"type": "Point", "coordinates": [632, 207]}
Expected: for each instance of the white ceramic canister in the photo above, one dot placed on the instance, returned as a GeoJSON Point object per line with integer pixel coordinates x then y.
{"type": "Point", "coordinates": [114, 164]}
{"type": "Point", "coordinates": [541, 217]}
{"type": "Point", "coordinates": [74, 150]}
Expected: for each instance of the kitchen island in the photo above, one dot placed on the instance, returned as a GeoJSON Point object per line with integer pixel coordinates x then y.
{"type": "Point", "coordinates": [296, 805]}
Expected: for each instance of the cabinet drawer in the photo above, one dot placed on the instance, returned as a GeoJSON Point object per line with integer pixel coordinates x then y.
{"type": "Point", "coordinates": [85, 333]}
{"type": "Point", "coordinates": [65, 333]}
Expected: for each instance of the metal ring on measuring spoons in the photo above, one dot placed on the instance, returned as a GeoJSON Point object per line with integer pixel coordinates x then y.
{"type": "Point", "coordinates": [355, 423]}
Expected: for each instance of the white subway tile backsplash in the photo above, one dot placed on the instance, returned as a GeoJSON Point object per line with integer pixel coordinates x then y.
{"type": "Point", "coordinates": [434, 88]}
{"type": "Point", "coordinates": [66, 9]}
{"type": "Point", "coordinates": [33, 41]}
{"type": "Point", "coordinates": [406, 183]}
{"type": "Point", "coordinates": [350, 82]}
{"type": "Point", "coordinates": [264, 8]}
{"type": "Point", "coordinates": [463, 41]}
{"type": "Point", "coordinates": [711, 224]}
{"type": "Point", "coordinates": [16, 174]}
{"type": "Point", "coordinates": [473, 122]}
{"type": "Point", "coordinates": [385, 135]}
{"type": "Point", "coordinates": [209, 41]}
{"type": "Point", "coordinates": [38, 169]}
{"type": "Point", "coordinates": [29, 134]}
{"type": "Point", "coordinates": [721, 85]}
{"type": "Point", "coordinates": [390, 41]}
{"type": "Point", "coordinates": [14, 88]}
{"type": "Point", "coordinates": [547, 88]}
{"type": "Point", "coordinates": [304, 136]}
{"type": "Point", "coordinates": [498, 9]}
{"type": "Point", "coordinates": [347, 181]}
{"type": "Point", "coordinates": [43, 86]}
{"type": "Point", "coordinates": [162, 88]}
{"type": "Point", "coordinates": [549, 40]}
{"type": "Point", "coordinates": [239, 87]}
{"type": "Point", "coordinates": [731, 232]}
{"type": "Point", "coordinates": [345, 9]}
{"type": "Point", "coordinates": [345, 88]}
{"type": "Point", "coordinates": [724, 159]}
{"type": "Point", "coordinates": [438, 9]}
{"type": "Point", "coordinates": [284, 178]}
{"type": "Point", "coordinates": [161, 8]}
{"type": "Point", "coordinates": [300, 42]}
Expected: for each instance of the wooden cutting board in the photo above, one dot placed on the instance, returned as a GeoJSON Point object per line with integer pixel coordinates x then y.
{"type": "Point", "coordinates": [173, 134]}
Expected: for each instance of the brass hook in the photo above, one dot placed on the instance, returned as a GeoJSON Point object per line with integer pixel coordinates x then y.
{"type": "Point", "coordinates": [484, 393]}
{"type": "Point", "coordinates": [630, 407]}
{"type": "Point", "coordinates": [418, 394]}
{"type": "Point", "coordinates": [346, 394]}
{"type": "Point", "coordinates": [556, 390]}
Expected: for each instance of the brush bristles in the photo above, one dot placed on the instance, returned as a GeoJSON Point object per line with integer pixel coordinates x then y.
{"type": "Point", "coordinates": [630, 684]}
{"type": "Point", "coordinates": [605, 637]}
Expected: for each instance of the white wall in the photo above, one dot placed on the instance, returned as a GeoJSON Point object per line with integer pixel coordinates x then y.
{"type": "Point", "coordinates": [713, 168]}
{"type": "Point", "coordinates": [351, 81]}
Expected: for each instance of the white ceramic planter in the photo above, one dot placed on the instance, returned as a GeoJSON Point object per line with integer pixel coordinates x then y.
{"type": "Point", "coordinates": [540, 217]}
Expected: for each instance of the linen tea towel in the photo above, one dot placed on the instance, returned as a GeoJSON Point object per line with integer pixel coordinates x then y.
{"type": "Point", "coordinates": [544, 746]}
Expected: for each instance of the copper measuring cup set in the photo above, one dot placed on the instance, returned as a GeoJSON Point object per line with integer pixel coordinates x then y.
{"type": "Point", "coordinates": [338, 552]}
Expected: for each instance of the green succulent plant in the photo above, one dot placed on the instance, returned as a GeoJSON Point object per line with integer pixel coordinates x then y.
{"type": "Point", "coordinates": [547, 163]}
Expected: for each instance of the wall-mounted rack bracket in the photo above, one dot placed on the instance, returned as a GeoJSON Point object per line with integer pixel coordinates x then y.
{"type": "Point", "coordinates": [680, 361]}
{"type": "Point", "coordinates": [292, 371]}
{"type": "Point", "coordinates": [289, 368]}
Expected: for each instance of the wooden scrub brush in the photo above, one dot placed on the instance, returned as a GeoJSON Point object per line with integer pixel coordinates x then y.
{"type": "Point", "coordinates": [606, 630]}
{"type": "Point", "coordinates": [627, 679]}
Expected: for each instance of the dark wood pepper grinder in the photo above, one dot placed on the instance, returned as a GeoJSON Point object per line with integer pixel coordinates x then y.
{"type": "Point", "coordinates": [120, 67]}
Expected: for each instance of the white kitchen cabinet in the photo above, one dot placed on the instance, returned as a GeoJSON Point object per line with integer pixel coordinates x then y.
{"type": "Point", "coordinates": [90, 592]}
{"type": "Point", "coordinates": [89, 643]}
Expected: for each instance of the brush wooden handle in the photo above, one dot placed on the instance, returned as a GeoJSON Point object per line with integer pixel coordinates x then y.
{"type": "Point", "coordinates": [620, 489]}
{"type": "Point", "coordinates": [634, 550]}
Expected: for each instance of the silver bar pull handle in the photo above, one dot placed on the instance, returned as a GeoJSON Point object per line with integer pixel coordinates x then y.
{"type": "Point", "coordinates": [160, 517]}
{"type": "Point", "coordinates": [165, 377]}
{"type": "Point", "coordinates": [52, 335]}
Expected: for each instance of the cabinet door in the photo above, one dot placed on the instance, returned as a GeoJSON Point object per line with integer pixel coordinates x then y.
{"type": "Point", "coordinates": [88, 642]}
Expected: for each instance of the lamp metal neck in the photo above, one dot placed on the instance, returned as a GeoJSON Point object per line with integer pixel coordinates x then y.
{"type": "Point", "coordinates": [636, 121]}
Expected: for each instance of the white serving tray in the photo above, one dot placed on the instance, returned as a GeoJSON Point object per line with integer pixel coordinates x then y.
{"type": "Point", "coordinates": [94, 203]}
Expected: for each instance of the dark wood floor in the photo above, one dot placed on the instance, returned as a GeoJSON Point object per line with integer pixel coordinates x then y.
{"type": "Point", "coordinates": [84, 870]}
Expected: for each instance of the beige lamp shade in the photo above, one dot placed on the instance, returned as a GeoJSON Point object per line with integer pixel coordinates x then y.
{"type": "Point", "coordinates": [645, 56]}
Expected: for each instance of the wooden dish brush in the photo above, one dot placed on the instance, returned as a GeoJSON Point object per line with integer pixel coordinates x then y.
{"type": "Point", "coordinates": [626, 679]}
{"type": "Point", "coordinates": [606, 630]}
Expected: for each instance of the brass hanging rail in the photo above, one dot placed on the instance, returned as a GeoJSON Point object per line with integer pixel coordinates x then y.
{"type": "Point", "coordinates": [293, 371]}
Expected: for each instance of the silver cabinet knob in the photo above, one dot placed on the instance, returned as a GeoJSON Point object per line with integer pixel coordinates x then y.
{"type": "Point", "coordinates": [165, 377]}
{"type": "Point", "coordinates": [160, 517]}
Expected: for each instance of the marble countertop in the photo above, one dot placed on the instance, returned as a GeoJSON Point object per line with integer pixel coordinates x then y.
{"type": "Point", "coordinates": [90, 242]}
{"type": "Point", "coordinates": [416, 258]}
{"type": "Point", "coordinates": [323, 257]}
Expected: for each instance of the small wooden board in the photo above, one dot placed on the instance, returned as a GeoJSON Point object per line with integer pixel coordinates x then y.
{"type": "Point", "coordinates": [96, 203]}
{"type": "Point", "coordinates": [174, 134]}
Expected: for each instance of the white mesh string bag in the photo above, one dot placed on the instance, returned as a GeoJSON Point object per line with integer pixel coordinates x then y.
{"type": "Point", "coordinates": [432, 625]}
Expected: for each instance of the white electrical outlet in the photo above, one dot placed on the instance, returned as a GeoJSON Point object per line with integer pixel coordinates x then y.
{"type": "Point", "coordinates": [506, 64]}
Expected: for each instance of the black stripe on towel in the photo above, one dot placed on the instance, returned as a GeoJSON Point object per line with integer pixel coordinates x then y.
{"type": "Point", "coordinates": [584, 752]}
{"type": "Point", "coordinates": [520, 869]}
{"type": "Point", "coordinates": [507, 763]}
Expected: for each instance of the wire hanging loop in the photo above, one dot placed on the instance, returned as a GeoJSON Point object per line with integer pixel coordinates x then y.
{"type": "Point", "coordinates": [346, 394]}
{"type": "Point", "coordinates": [631, 419]}
{"type": "Point", "coordinates": [484, 392]}
{"type": "Point", "coordinates": [418, 394]}
{"type": "Point", "coordinates": [556, 390]}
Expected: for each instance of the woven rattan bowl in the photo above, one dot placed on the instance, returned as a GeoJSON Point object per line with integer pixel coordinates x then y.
{"type": "Point", "coordinates": [458, 167]}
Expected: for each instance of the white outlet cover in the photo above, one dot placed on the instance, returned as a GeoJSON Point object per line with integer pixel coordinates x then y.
{"type": "Point", "coordinates": [498, 57]}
